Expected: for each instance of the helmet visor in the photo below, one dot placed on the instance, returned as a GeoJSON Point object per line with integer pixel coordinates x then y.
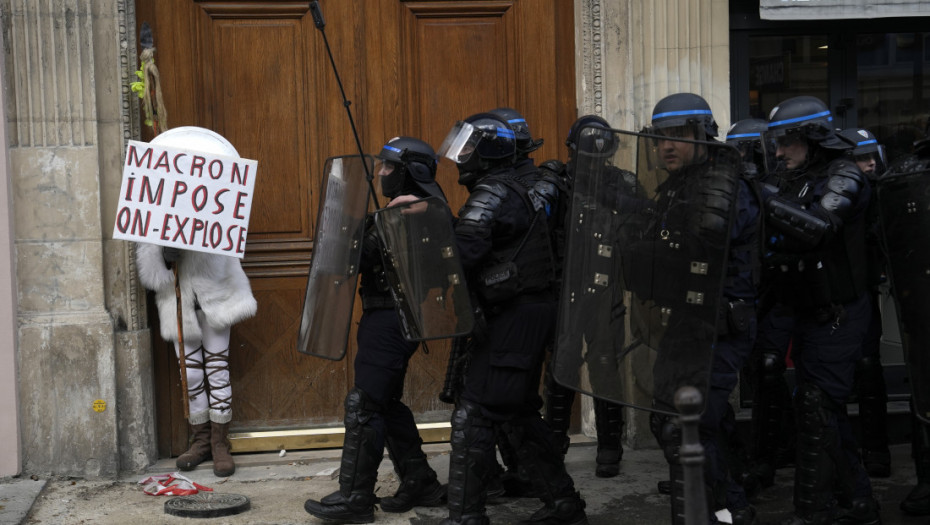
{"type": "Point", "coordinates": [460, 143]}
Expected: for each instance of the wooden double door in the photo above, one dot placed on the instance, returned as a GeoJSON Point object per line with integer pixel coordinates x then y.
{"type": "Point", "coordinates": [258, 73]}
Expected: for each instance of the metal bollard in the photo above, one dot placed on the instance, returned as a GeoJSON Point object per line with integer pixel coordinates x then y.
{"type": "Point", "coordinates": [688, 401]}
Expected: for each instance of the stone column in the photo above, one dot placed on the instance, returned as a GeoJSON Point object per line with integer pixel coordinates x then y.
{"type": "Point", "coordinates": [630, 54]}
{"type": "Point", "coordinates": [66, 128]}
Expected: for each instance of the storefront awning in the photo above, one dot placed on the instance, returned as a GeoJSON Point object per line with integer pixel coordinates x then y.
{"type": "Point", "coordinates": [838, 9]}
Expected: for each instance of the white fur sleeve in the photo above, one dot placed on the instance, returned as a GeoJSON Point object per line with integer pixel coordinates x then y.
{"type": "Point", "coordinates": [153, 274]}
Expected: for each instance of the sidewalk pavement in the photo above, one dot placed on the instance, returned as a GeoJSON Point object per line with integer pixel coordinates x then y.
{"type": "Point", "coordinates": [278, 485]}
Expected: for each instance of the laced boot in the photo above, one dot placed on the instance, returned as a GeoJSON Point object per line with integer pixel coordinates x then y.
{"type": "Point", "coordinates": [199, 450]}
{"type": "Point", "coordinates": [418, 488]}
{"type": "Point", "coordinates": [568, 510]}
{"type": "Point", "coordinates": [355, 500]}
{"type": "Point", "coordinates": [223, 464]}
{"type": "Point", "coordinates": [608, 418]}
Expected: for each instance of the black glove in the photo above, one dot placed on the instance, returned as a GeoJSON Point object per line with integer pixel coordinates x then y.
{"type": "Point", "coordinates": [170, 254]}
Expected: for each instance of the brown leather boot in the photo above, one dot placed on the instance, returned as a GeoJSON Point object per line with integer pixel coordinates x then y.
{"type": "Point", "coordinates": [199, 450]}
{"type": "Point", "coordinates": [223, 464]}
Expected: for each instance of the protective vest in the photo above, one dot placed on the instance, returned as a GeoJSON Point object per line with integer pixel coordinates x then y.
{"type": "Point", "coordinates": [523, 265]}
{"type": "Point", "coordinates": [833, 273]}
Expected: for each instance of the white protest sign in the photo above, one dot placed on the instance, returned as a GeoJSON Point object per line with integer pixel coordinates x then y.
{"type": "Point", "coordinates": [187, 199]}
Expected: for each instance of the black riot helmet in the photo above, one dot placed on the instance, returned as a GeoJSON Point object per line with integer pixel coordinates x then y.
{"type": "Point", "coordinates": [684, 109]}
{"type": "Point", "coordinates": [479, 143]}
{"type": "Point", "coordinates": [408, 165]}
{"type": "Point", "coordinates": [521, 130]}
{"type": "Point", "coordinates": [806, 117]}
{"type": "Point", "coordinates": [746, 136]}
{"type": "Point", "coordinates": [590, 135]}
{"type": "Point", "coordinates": [864, 146]}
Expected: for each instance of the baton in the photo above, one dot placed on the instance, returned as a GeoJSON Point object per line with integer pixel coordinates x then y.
{"type": "Point", "coordinates": [320, 23]}
{"type": "Point", "coordinates": [182, 362]}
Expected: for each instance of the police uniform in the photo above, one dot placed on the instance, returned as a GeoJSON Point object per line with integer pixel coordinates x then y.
{"type": "Point", "coordinates": [375, 416]}
{"type": "Point", "coordinates": [503, 241]}
{"type": "Point", "coordinates": [817, 222]}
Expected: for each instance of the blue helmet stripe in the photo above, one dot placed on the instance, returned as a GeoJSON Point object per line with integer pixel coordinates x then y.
{"type": "Point", "coordinates": [744, 136]}
{"type": "Point", "coordinates": [867, 142]}
{"type": "Point", "coordinates": [501, 132]}
{"type": "Point", "coordinates": [517, 121]}
{"type": "Point", "coordinates": [391, 148]}
{"type": "Point", "coordinates": [802, 119]}
{"type": "Point", "coordinates": [682, 113]}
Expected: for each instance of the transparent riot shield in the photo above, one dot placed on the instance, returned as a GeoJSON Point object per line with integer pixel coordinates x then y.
{"type": "Point", "coordinates": [642, 285]}
{"type": "Point", "coordinates": [424, 269]}
{"type": "Point", "coordinates": [337, 242]}
{"type": "Point", "coordinates": [903, 200]}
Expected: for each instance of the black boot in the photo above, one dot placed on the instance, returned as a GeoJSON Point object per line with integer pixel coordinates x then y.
{"type": "Point", "coordinates": [355, 500]}
{"type": "Point", "coordinates": [863, 511]}
{"type": "Point", "coordinates": [418, 486]}
{"type": "Point", "coordinates": [608, 418]}
{"type": "Point", "coordinates": [470, 465]}
{"type": "Point", "coordinates": [917, 502]}
{"type": "Point", "coordinates": [558, 415]}
{"type": "Point", "coordinates": [770, 412]}
{"type": "Point", "coordinates": [873, 416]}
{"type": "Point", "coordinates": [540, 461]}
{"type": "Point", "coordinates": [568, 510]}
{"type": "Point", "coordinates": [817, 445]}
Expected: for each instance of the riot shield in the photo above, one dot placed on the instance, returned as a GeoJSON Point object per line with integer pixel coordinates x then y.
{"type": "Point", "coordinates": [424, 270]}
{"type": "Point", "coordinates": [327, 314]}
{"type": "Point", "coordinates": [903, 200]}
{"type": "Point", "coordinates": [644, 271]}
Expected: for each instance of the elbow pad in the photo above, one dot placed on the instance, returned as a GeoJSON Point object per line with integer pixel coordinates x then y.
{"type": "Point", "coordinates": [845, 183]}
{"type": "Point", "coordinates": [479, 211]}
{"type": "Point", "coordinates": [795, 222]}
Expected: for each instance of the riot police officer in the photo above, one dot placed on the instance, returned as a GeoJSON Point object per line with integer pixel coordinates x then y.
{"type": "Point", "coordinates": [903, 237]}
{"type": "Point", "coordinates": [375, 415]}
{"type": "Point", "coordinates": [772, 421]}
{"type": "Point", "coordinates": [868, 154]}
{"type": "Point", "coordinates": [816, 225]}
{"type": "Point", "coordinates": [503, 241]}
{"type": "Point", "coordinates": [688, 117]}
{"type": "Point", "coordinates": [589, 141]}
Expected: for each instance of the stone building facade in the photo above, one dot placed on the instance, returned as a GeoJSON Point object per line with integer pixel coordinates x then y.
{"type": "Point", "coordinates": [76, 384]}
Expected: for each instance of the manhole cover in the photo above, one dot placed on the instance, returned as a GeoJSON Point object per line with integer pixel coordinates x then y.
{"type": "Point", "coordinates": [207, 505]}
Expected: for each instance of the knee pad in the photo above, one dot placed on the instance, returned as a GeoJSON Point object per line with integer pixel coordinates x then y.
{"type": "Point", "coordinates": [668, 433]}
{"type": "Point", "coordinates": [814, 408]}
{"type": "Point", "coordinates": [772, 364]}
{"type": "Point", "coordinates": [359, 408]}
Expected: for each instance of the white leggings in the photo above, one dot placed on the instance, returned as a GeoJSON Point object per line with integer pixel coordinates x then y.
{"type": "Point", "coordinates": [208, 356]}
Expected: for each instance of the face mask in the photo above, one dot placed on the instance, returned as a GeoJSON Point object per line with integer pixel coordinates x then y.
{"type": "Point", "coordinates": [391, 185]}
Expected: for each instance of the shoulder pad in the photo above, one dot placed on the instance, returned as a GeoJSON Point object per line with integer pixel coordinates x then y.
{"type": "Point", "coordinates": [847, 169]}
{"type": "Point", "coordinates": [553, 165]}
{"type": "Point", "coordinates": [494, 187]}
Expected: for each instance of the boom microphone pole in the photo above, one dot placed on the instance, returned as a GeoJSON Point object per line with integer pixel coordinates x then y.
{"type": "Point", "coordinates": [320, 23]}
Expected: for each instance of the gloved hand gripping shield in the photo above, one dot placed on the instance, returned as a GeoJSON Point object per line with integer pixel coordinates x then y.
{"type": "Point", "coordinates": [424, 269]}
{"type": "Point", "coordinates": [903, 198]}
{"type": "Point", "coordinates": [327, 312]}
{"type": "Point", "coordinates": [648, 257]}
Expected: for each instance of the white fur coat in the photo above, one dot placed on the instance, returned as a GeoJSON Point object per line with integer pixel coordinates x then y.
{"type": "Point", "coordinates": [217, 281]}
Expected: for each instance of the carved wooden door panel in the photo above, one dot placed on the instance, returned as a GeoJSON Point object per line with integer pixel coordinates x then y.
{"type": "Point", "coordinates": [257, 72]}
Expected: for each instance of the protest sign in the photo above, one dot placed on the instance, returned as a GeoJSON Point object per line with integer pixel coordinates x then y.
{"type": "Point", "coordinates": [187, 199]}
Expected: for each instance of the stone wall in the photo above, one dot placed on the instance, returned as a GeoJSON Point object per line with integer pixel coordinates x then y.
{"type": "Point", "coordinates": [84, 362]}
